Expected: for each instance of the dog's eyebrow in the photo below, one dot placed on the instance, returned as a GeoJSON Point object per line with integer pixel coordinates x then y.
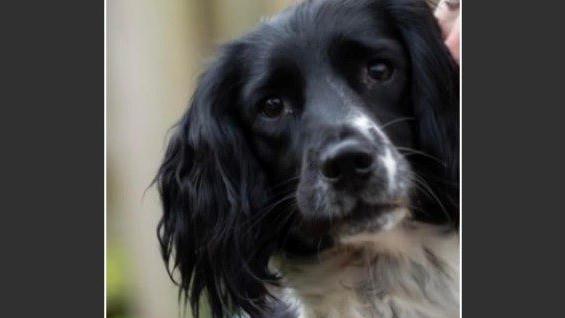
{"type": "Point", "coordinates": [271, 74]}
{"type": "Point", "coordinates": [370, 41]}
{"type": "Point", "coordinates": [365, 45]}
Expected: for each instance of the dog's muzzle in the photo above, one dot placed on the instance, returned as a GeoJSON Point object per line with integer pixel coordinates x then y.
{"type": "Point", "coordinates": [358, 175]}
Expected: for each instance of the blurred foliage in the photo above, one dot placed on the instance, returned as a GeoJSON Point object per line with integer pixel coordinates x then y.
{"type": "Point", "coordinates": [116, 282]}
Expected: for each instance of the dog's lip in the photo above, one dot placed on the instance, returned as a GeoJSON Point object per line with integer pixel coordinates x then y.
{"type": "Point", "coordinates": [362, 207]}
{"type": "Point", "coordinates": [363, 213]}
{"type": "Point", "coordinates": [392, 204]}
{"type": "Point", "coordinates": [366, 211]}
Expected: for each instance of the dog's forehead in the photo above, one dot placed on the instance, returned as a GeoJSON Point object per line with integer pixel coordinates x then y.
{"type": "Point", "coordinates": [314, 22]}
{"type": "Point", "coordinates": [302, 34]}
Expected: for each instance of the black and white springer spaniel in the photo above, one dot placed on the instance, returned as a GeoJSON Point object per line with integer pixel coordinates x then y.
{"type": "Point", "coordinates": [316, 171]}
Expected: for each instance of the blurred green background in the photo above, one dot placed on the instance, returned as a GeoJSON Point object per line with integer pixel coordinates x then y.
{"type": "Point", "coordinates": [156, 49]}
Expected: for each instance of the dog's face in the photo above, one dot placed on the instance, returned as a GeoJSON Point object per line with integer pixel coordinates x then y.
{"type": "Point", "coordinates": [332, 119]}
{"type": "Point", "coordinates": [326, 105]}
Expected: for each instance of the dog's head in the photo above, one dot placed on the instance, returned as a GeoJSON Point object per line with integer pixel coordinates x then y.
{"type": "Point", "coordinates": [331, 119]}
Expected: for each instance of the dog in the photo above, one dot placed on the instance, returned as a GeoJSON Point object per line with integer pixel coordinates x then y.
{"type": "Point", "coordinates": [315, 172]}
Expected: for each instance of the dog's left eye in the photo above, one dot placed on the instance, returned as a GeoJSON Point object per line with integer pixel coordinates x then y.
{"type": "Point", "coordinates": [272, 107]}
{"type": "Point", "coordinates": [379, 70]}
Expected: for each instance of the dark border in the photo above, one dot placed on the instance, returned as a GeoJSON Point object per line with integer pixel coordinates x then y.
{"type": "Point", "coordinates": [52, 159]}
{"type": "Point", "coordinates": [512, 140]}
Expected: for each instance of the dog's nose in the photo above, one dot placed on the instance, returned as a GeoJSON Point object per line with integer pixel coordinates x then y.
{"type": "Point", "coordinates": [348, 159]}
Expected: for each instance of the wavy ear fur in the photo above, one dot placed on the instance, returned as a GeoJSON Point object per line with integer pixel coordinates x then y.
{"type": "Point", "coordinates": [435, 98]}
{"type": "Point", "coordinates": [209, 183]}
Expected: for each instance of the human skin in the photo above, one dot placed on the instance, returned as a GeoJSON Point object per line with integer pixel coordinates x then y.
{"type": "Point", "coordinates": [449, 18]}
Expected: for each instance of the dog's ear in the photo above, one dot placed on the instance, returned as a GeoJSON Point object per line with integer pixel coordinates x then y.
{"type": "Point", "coordinates": [210, 185]}
{"type": "Point", "coordinates": [435, 99]}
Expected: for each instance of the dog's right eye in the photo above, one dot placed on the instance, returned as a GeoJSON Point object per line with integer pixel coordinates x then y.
{"type": "Point", "coordinates": [379, 71]}
{"type": "Point", "coordinates": [272, 107]}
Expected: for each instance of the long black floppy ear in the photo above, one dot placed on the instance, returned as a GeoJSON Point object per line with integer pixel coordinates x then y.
{"type": "Point", "coordinates": [435, 98]}
{"type": "Point", "coordinates": [210, 185]}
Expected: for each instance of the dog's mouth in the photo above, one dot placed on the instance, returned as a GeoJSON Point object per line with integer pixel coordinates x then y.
{"type": "Point", "coordinates": [311, 236]}
{"type": "Point", "coordinates": [363, 217]}
{"type": "Point", "coordinates": [372, 218]}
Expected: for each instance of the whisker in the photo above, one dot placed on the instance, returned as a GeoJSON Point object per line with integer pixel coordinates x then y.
{"type": "Point", "coordinates": [286, 182]}
{"type": "Point", "coordinates": [418, 152]}
{"type": "Point", "coordinates": [282, 197]}
{"type": "Point", "coordinates": [396, 121]}
{"type": "Point", "coordinates": [269, 209]}
{"type": "Point", "coordinates": [421, 184]}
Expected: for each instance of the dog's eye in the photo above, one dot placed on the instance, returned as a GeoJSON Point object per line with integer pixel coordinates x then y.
{"type": "Point", "coordinates": [379, 70]}
{"type": "Point", "coordinates": [272, 107]}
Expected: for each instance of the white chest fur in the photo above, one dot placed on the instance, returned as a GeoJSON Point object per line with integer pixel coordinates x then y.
{"type": "Point", "coordinates": [411, 271]}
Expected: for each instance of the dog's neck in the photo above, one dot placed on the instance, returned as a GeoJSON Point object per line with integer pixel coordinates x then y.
{"type": "Point", "coordinates": [409, 271]}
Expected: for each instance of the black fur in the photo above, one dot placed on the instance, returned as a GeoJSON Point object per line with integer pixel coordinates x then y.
{"type": "Point", "coordinates": [229, 199]}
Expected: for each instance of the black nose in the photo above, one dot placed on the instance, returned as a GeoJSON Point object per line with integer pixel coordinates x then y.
{"type": "Point", "coordinates": [347, 159]}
